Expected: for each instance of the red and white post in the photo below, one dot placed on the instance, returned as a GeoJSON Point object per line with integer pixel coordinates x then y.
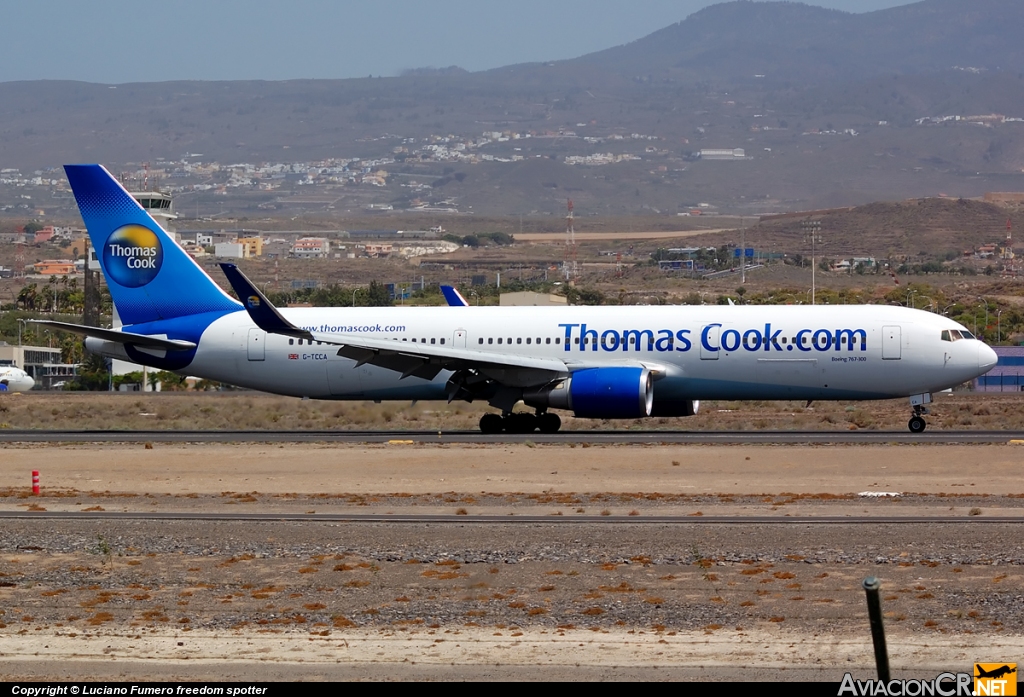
{"type": "Point", "coordinates": [35, 482]}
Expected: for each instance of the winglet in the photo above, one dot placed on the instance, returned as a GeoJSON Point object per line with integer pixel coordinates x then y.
{"type": "Point", "coordinates": [262, 312]}
{"type": "Point", "coordinates": [453, 297]}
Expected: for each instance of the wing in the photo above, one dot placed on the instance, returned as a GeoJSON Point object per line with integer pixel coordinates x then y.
{"type": "Point", "coordinates": [408, 358]}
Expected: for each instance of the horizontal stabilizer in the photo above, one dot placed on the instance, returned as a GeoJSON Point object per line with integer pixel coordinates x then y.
{"type": "Point", "coordinates": [262, 312]}
{"type": "Point", "coordinates": [118, 337]}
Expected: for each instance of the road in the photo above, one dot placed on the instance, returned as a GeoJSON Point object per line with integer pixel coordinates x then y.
{"type": "Point", "coordinates": [862, 437]}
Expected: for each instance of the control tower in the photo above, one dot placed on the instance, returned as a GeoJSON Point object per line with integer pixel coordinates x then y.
{"type": "Point", "coordinates": [158, 205]}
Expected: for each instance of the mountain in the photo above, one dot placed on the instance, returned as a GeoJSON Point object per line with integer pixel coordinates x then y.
{"type": "Point", "coordinates": [801, 44]}
{"type": "Point", "coordinates": [830, 108]}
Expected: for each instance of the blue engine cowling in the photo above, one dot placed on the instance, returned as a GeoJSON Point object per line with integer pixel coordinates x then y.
{"type": "Point", "coordinates": [600, 393]}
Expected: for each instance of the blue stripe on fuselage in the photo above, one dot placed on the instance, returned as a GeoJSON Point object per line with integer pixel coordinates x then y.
{"type": "Point", "coordinates": [188, 328]}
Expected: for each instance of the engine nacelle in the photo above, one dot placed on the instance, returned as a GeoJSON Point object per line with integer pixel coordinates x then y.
{"type": "Point", "coordinates": [676, 407]}
{"type": "Point", "coordinates": [600, 393]}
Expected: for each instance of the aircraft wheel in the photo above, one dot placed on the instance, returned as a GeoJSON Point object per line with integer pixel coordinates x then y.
{"type": "Point", "coordinates": [491, 423]}
{"type": "Point", "coordinates": [520, 423]}
{"type": "Point", "coordinates": [916, 424]}
{"type": "Point", "coordinates": [548, 422]}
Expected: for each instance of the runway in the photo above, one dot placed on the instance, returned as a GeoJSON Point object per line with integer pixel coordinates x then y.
{"type": "Point", "coordinates": [510, 519]}
{"type": "Point", "coordinates": [860, 437]}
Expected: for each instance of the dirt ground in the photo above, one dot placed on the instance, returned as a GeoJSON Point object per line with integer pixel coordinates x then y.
{"type": "Point", "coordinates": [408, 468]}
{"type": "Point", "coordinates": [230, 600]}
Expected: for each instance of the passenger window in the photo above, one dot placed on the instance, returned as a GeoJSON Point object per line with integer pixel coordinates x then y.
{"type": "Point", "coordinates": [519, 340]}
{"type": "Point", "coordinates": [510, 340]}
{"type": "Point", "coordinates": [538, 339]}
{"type": "Point", "coordinates": [783, 339]}
{"type": "Point", "coordinates": [414, 340]}
{"type": "Point", "coordinates": [291, 342]}
{"type": "Point", "coordinates": [442, 341]}
{"type": "Point", "coordinates": [499, 339]}
{"type": "Point", "coordinates": [480, 340]}
{"type": "Point", "coordinates": [490, 341]}
{"type": "Point", "coordinates": [433, 340]}
{"type": "Point", "coordinates": [548, 340]}
{"type": "Point", "coordinates": [527, 339]}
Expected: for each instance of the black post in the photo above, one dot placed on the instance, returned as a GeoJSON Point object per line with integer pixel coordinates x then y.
{"type": "Point", "coordinates": [871, 586]}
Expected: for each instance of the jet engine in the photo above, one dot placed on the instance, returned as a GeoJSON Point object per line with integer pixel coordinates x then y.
{"type": "Point", "coordinates": [599, 393]}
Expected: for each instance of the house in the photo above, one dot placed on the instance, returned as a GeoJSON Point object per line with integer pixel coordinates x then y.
{"type": "Point", "coordinates": [253, 246]}
{"type": "Point", "coordinates": [54, 267]}
{"type": "Point", "coordinates": [311, 248]}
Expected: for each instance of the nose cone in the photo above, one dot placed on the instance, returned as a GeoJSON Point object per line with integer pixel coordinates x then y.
{"type": "Point", "coordinates": [987, 358]}
{"type": "Point", "coordinates": [29, 383]}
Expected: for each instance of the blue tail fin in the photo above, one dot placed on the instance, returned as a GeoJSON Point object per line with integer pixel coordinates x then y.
{"type": "Point", "coordinates": [453, 297]}
{"type": "Point", "coordinates": [150, 277]}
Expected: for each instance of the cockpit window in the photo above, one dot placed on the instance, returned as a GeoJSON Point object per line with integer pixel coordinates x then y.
{"type": "Point", "coordinates": [956, 334]}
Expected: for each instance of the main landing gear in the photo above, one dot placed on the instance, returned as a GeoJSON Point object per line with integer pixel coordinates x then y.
{"type": "Point", "coordinates": [520, 422]}
{"type": "Point", "coordinates": [917, 424]}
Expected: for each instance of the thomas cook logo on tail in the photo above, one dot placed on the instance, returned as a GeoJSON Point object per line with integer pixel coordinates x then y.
{"type": "Point", "coordinates": [254, 301]}
{"type": "Point", "coordinates": [132, 256]}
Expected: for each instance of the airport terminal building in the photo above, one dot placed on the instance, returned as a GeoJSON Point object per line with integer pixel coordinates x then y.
{"type": "Point", "coordinates": [43, 364]}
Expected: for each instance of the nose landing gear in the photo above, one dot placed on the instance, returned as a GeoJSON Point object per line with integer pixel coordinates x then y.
{"type": "Point", "coordinates": [917, 424]}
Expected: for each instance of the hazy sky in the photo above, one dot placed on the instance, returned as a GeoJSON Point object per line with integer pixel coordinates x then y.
{"type": "Point", "coordinates": [116, 41]}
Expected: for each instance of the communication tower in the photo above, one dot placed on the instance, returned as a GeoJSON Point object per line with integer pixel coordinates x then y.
{"type": "Point", "coordinates": [570, 265]}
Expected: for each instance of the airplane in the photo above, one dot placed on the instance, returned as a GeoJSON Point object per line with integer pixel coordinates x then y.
{"type": "Point", "coordinates": [996, 672]}
{"type": "Point", "coordinates": [15, 380]}
{"type": "Point", "coordinates": [595, 362]}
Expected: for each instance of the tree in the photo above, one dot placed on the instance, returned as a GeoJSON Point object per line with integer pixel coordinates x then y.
{"type": "Point", "coordinates": [92, 374]}
{"type": "Point", "coordinates": [377, 295]}
{"type": "Point", "coordinates": [27, 296]}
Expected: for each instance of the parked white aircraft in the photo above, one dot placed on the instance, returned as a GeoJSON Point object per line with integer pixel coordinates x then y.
{"type": "Point", "coordinates": [15, 380]}
{"type": "Point", "coordinates": [597, 362]}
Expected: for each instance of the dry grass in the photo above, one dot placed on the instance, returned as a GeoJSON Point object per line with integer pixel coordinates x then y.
{"type": "Point", "coordinates": [257, 411]}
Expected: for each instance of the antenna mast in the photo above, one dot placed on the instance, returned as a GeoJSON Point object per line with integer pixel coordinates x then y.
{"type": "Point", "coordinates": [570, 264]}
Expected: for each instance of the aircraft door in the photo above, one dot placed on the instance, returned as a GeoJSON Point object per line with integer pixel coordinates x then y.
{"type": "Point", "coordinates": [459, 338]}
{"type": "Point", "coordinates": [257, 344]}
{"type": "Point", "coordinates": [891, 341]}
{"type": "Point", "coordinates": [713, 333]}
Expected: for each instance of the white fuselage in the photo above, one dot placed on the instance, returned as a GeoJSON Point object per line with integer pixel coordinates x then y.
{"type": "Point", "coordinates": [701, 352]}
{"type": "Point", "coordinates": [15, 380]}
